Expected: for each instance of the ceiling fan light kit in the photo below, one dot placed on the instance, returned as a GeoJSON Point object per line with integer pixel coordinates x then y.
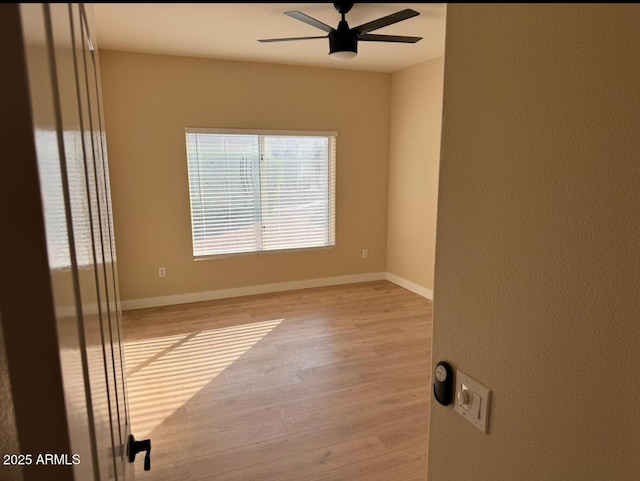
{"type": "Point", "coordinates": [343, 41]}
{"type": "Point", "coordinates": [343, 55]}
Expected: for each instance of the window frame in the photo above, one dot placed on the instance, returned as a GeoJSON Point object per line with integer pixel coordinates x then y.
{"type": "Point", "coordinates": [332, 137]}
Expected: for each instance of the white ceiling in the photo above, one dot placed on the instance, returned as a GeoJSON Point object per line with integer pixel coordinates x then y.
{"type": "Point", "coordinates": [231, 30]}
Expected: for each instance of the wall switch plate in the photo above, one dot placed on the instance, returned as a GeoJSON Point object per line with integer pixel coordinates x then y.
{"type": "Point", "coordinates": [365, 253]}
{"type": "Point", "coordinates": [472, 401]}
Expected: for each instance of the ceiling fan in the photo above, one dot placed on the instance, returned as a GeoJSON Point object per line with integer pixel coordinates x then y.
{"type": "Point", "coordinates": [343, 41]}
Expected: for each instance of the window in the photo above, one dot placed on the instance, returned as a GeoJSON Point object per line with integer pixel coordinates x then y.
{"type": "Point", "coordinates": [255, 191]}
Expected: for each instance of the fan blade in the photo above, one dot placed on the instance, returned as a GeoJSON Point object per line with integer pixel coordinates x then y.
{"type": "Point", "coordinates": [384, 21]}
{"type": "Point", "coordinates": [370, 37]}
{"type": "Point", "coordinates": [309, 20]}
{"type": "Point", "coordinates": [267, 40]}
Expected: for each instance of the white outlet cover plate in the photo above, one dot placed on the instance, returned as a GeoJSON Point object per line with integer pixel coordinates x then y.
{"type": "Point", "coordinates": [477, 410]}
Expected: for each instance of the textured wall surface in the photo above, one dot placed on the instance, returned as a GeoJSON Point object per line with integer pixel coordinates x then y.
{"type": "Point", "coordinates": [150, 99]}
{"type": "Point", "coordinates": [538, 251]}
{"type": "Point", "coordinates": [414, 157]}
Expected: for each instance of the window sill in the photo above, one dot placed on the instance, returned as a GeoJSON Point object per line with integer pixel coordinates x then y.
{"type": "Point", "coordinates": [266, 252]}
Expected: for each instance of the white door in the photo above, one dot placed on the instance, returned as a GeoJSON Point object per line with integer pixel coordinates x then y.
{"type": "Point", "coordinates": [64, 80]}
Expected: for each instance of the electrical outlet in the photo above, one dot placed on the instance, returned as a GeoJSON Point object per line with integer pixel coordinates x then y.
{"type": "Point", "coordinates": [162, 272]}
{"type": "Point", "coordinates": [365, 253]}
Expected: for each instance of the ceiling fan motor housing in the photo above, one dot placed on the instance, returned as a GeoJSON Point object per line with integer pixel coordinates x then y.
{"type": "Point", "coordinates": [343, 42]}
{"type": "Point", "coordinates": [343, 39]}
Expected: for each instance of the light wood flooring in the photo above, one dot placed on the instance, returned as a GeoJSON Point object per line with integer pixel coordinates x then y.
{"type": "Point", "coordinates": [326, 384]}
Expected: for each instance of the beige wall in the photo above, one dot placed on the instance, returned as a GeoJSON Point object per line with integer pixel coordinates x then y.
{"type": "Point", "coordinates": [537, 264]}
{"type": "Point", "coordinates": [416, 118]}
{"type": "Point", "coordinates": [150, 99]}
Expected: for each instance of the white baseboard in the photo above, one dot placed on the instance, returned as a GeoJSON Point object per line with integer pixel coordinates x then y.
{"type": "Point", "coordinates": [250, 290]}
{"type": "Point", "coordinates": [411, 286]}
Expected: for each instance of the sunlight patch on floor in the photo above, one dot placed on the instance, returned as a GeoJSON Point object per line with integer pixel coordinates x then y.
{"type": "Point", "coordinates": [165, 372]}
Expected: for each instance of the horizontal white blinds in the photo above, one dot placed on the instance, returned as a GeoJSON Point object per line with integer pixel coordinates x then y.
{"type": "Point", "coordinates": [254, 192]}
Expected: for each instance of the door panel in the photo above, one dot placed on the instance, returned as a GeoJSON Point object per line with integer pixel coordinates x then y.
{"type": "Point", "coordinates": [119, 351]}
{"type": "Point", "coordinates": [97, 208]}
{"type": "Point", "coordinates": [114, 317]}
{"type": "Point", "coordinates": [97, 342]}
{"type": "Point", "coordinates": [73, 171]}
{"type": "Point", "coordinates": [57, 152]}
{"type": "Point", "coordinates": [92, 71]}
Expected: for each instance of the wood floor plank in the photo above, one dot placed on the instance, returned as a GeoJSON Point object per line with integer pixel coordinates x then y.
{"type": "Point", "coordinates": [386, 467]}
{"type": "Point", "coordinates": [215, 464]}
{"type": "Point", "coordinates": [321, 384]}
{"type": "Point", "coordinates": [406, 433]}
{"type": "Point", "coordinates": [197, 442]}
{"type": "Point", "coordinates": [371, 412]}
{"type": "Point", "coordinates": [294, 363]}
{"type": "Point", "coordinates": [308, 463]}
{"type": "Point", "coordinates": [288, 406]}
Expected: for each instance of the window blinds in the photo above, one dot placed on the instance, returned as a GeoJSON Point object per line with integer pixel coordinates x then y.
{"type": "Point", "coordinates": [257, 191]}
